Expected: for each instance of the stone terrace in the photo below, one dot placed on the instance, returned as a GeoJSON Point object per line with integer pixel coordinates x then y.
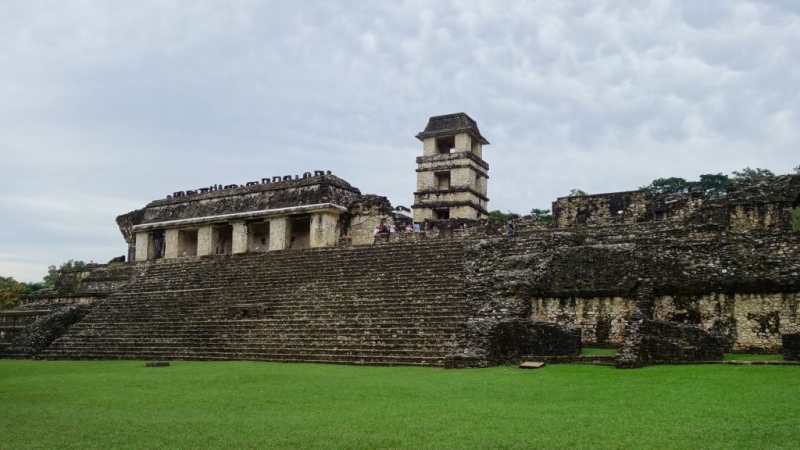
{"type": "Point", "coordinates": [397, 304]}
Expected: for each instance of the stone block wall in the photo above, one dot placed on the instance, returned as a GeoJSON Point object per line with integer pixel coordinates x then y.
{"type": "Point", "coordinates": [791, 347]}
{"type": "Point", "coordinates": [511, 341]}
{"type": "Point", "coordinates": [747, 205]}
{"type": "Point", "coordinates": [603, 209]}
{"type": "Point", "coordinates": [601, 320]}
{"type": "Point", "coordinates": [745, 322]}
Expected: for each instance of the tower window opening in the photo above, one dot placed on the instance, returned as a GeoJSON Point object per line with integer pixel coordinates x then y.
{"type": "Point", "coordinates": [441, 213]}
{"type": "Point", "coordinates": [445, 145]}
{"type": "Point", "coordinates": [442, 180]}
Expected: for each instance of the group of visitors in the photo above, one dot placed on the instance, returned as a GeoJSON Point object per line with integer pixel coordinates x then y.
{"type": "Point", "coordinates": [384, 231]}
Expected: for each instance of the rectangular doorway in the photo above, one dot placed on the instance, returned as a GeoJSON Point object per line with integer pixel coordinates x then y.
{"type": "Point", "coordinates": [300, 231]}
{"type": "Point", "coordinates": [258, 234]}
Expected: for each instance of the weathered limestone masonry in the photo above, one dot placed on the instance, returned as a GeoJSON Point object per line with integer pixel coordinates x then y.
{"type": "Point", "coordinates": [769, 203]}
{"type": "Point", "coordinates": [287, 269]}
{"type": "Point", "coordinates": [45, 315]}
{"type": "Point", "coordinates": [746, 240]}
{"type": "Point", "coordinates": [791, 347]}
{"type": "Point", "coordinates": [398, 304]}
{"type": "Point", "coordinates": [451, 174]}
{"type": "Point", "coordinates": [741, 287]}
{"type": "Point", "coordinates": [275, 214]}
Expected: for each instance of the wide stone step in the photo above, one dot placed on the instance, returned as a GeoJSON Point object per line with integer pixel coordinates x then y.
{"type": "Point", "coordinates": [239, 351]}
{"type": "Point", "coordinates": [319, 359]}
{"type": "Point", "coordinates": [211, 329]}
{"type": "Point", "coordinates": [256, 347]}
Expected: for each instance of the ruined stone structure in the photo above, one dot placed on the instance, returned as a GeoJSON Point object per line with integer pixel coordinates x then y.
{"type": "Point", "coordinates": [277, 213]}
{"type": "Point", "coordinates": [451, 173]}
{"type": "Point", "coordinates": [288, 270]}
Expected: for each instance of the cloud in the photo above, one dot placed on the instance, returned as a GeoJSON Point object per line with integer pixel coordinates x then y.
{"type": "Point", "coordinates": [128, 102]}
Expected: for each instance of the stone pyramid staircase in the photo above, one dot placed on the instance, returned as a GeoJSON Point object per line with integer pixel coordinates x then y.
{"type": "Point", "coordinates": [384, 304]}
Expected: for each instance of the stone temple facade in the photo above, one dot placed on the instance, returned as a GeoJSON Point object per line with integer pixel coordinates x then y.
{"type": "Point", "coordinates": [287, 269]}
{"type": "Point", "coordinates": [278, 213]}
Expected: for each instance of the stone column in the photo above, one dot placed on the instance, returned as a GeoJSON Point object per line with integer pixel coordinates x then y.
{"type": "Point", "coordinates": [324, 231]}
{"type": "Point", "coordinates": [463, 142]}
{"type": "Point", "coordinates": [171, 243]}
{"type": "Point", "coordinates": [239, 237]}
{"type": "Point", "coordinates": [205, 241]}
{"type": "Point", "coordinates": [144, 246]}
{"type": "Point", "coordinates": [278, 229]}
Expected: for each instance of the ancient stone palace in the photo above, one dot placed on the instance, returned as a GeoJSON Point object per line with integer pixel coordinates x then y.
{"type": "Point", "coordinates": [307, 268]}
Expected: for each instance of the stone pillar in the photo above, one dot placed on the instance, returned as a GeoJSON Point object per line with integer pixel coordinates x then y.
{"type": "Point", "coordinates": [144, 246]}
{"type": "Point", "coordinates": [205, 241]}
{"type": "Point", "coordinates": [324, 231]}
{"type": "Point", "coordinates": [239, 237]}
{"type": "Point", "coordinates": [171, 243]}
{"type": "Point", "coordinates": [429, 147]}
{"type": "Point", "coordinates": [278, 230]}
{"type": "Point", "coordinates": [463, 142]}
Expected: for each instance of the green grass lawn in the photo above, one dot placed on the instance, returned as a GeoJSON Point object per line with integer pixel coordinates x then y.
{"type": "Point", "coordinates": [230, 405]}
{"type": "Point", "coordinates": [589, 351]}
{"type": "Point", "coordinates": [751, 357]}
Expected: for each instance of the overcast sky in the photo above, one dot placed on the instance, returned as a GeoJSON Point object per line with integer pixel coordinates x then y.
{"type": "Point", "coordinates": [107, 105]}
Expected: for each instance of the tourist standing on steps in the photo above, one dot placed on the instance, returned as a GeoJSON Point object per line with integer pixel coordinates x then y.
{"type": "Point", "coordinates": [416, 227]}
{"type": "Point", "coordinates": [511, 227]}
{"type": "Point", "coordinates": [409, 228]}
{"type": "Point", "coordinates": [392, 229]}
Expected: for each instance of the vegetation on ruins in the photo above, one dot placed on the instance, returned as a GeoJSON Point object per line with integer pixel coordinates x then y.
{"type": "Point", "coordinates": [748, 174]}
{"type": "Point", "coordinates": [711, 185]}
{"type": "Point", "coordinates": [52, 271]}
{"type": "Point", "coordinates": [11, 290]}
{"type": "Point", "coordinates": [123, 404]}
{"type": "Point", "coordinates": [577, 193]}
{"type": "Point", "coordinates": [542, 215]}
{"type": "Point", "coordinates": [796, 219]}
{"type": "Point", "coordinates": [498, 215]}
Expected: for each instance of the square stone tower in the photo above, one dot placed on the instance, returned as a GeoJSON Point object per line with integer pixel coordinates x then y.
{"type": "Point", "coordinates": [451, 174]}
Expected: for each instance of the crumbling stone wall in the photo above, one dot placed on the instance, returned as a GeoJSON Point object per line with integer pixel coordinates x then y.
{"type": "Point", "coordinates": [603, 209]}
{"type": "Point", "coordinates": [745, 322]}
{"type": "Point", "coordinates": [601, 319]}
{"type": "Point", "coordinates": [39, 335]}
{"type": "Point", "coordinates": [512, 341]}
{"type": "Point", "coordinates": [255, 197]}
{"type": "Point", "coordinates": [366, 214]}
{"type": "Point", "coordinates": [740, 287]}
{"type": "Point", "coordinates": [747, 205]}
{"type": "Point", "coordinates": [791, 347]}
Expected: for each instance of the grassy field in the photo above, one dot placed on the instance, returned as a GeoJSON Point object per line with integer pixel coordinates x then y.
{"type": "Point", "coordinates": [193, 405]}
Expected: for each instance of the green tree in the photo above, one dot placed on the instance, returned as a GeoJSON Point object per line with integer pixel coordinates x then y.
{"type": "Point", "coordinates": [10, 292]}
{"type": "Point", "coordinates": [52, 272]}
{"type": "Point", "coordinates": [714, 185]}
{"type": "Point", "coordinates": [667, 186]}
{"type": "Point", "coordinates": [500, 216]}
{"type": "Point", "coordinates": [577, 193]}
{"type": "Point", "coordinates": [797, 170]}
{"type": "Point", "coordinates": [748, 174]}
{"type": "Point", "coordinates": [542, 215]}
